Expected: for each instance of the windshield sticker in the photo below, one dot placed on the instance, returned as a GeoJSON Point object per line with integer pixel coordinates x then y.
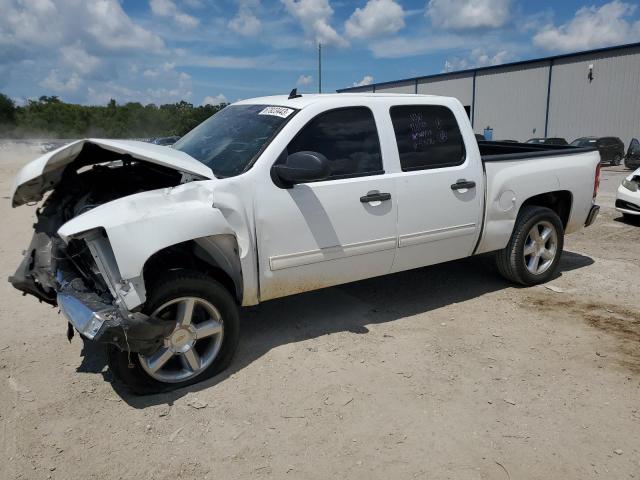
{"type": "Point", "coordinates": [282, 112]}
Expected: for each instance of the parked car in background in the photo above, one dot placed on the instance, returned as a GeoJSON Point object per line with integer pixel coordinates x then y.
{"type": "Point", "coordinates": [548, 141]}
{"type": "Point", "coordinates": [628, 197]}
{"type": "Point", "coordinates": [275, 196]}
{"type": "Point", "coordinates": [632, 158]}
{"type": "Point", "coordinates": [165, 141]}
{"type": "Point", "coordinates": [611, 148]}
{"type": "Point", "coordinates": [480, 137]}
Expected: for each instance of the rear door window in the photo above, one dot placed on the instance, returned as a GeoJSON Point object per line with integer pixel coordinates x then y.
{"type": "Point", "coordinates": [347, 137]}
{"type": "Point", "coordinates": [428, 136]}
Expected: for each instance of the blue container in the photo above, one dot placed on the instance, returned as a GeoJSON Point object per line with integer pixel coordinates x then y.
{"type": "Point", "coordinates": [488, 133]}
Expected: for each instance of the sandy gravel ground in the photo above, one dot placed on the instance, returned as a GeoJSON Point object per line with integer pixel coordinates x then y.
{"type": "Point", "coordinates": [446, 372]}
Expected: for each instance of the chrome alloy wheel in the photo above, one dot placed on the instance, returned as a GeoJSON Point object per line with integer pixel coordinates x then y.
{"type": "Point", "coordinates": [540, 247]}
{"type": "Point", "coordinates": [193, 344]}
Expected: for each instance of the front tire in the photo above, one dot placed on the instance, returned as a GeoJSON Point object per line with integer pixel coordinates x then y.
{"type": "Point", "coordinates": [532, 255]}
{"type": "Point", "coordinates": [201, 345]}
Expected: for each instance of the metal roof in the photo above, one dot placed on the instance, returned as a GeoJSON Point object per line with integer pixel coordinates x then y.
{"type": "Point", "coordinates": [496, 67]}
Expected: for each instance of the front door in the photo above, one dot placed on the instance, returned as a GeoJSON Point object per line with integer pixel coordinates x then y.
{"type": "Point", "coordinates": [440, 189]}
{"type": "Point", "coordinates": [319, 234]}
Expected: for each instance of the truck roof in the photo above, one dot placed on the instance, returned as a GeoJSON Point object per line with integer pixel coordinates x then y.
{"type": "Point", "coordinates": [307, 99]}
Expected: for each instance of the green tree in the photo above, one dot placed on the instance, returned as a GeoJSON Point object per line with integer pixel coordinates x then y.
{"type": "Point", "coordinates": [50, 116]}
{"type": "Point", "coordinates": [7, 110]}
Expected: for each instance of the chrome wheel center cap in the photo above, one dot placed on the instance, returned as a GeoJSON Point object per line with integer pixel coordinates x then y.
{"type": "Point", "coordinates": [182, 339]}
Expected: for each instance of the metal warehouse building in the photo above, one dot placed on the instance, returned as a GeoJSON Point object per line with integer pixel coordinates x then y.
{"type": "Point", "coordinates": [591, 93]}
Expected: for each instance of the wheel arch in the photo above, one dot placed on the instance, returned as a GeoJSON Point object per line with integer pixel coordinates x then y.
{"type": "Point", "coordinates": [560, 201]}
{"type": "Point", "coordinates": [215, 255]}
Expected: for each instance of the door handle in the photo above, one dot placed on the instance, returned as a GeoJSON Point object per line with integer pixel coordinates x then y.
{"type": "Point", "coordinates": [463, 184]}
{"type": "Point", "coordinates": [375, 197]}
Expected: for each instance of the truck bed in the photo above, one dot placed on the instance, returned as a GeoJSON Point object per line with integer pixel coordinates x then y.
{"type": "Point", "coordinates": [503, 151]}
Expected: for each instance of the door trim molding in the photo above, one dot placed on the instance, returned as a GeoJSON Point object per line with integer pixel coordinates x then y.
{"type": "Point", "coordinates": [299, 259]}
{"type": "Point", "coordinates": [410, 239]}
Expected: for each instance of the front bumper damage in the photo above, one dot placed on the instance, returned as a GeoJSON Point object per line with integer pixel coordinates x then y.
{"type": "Point", "coordinates": [99, 320]}
{"type": "Point", "coordinates": [95, 314]}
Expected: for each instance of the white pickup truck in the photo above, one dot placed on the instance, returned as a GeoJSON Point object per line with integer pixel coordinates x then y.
{"type": "Point", "coordinates": [152, 250]}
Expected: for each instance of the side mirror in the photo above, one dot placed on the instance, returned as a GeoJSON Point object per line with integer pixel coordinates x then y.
{"type": "Point", "coordinates": [302, 167]}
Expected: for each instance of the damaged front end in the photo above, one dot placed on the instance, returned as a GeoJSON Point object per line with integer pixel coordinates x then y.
{"type": "Point", "coordinates": [69, 276]}
{"type": "Point", "coordinates": [80, 274]}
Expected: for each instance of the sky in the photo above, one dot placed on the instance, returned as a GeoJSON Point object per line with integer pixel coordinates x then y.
{"type": "Point", "coordinates": [212, 51]}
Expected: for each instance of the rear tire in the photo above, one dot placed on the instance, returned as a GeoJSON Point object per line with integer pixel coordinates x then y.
{"type": "Point", "coordinates": [211, 351]}
{"type": "Point", "coordinates": [532, 255]}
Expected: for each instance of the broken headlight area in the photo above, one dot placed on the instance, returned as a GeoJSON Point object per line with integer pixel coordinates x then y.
{"type": "Point", "coordinates": [68, 276]}
{"type": "Point", "coordinates": [97, 317]}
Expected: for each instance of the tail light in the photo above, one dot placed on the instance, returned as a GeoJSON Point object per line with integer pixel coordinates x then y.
{"type": "Point", "coordinates": [596, 181]}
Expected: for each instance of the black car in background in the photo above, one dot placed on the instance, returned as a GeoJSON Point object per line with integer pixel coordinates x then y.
{"type": "Point", "coordinates": [480, 137]}
{"type": "Point", "coordinates": [632, 159]}
{"type": "Point", "coordinates": [611, 148]}
{"type": "Point", "coordinates": [548, 141]}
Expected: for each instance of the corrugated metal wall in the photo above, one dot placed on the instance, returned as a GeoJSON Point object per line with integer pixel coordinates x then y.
{"type": "Point", "coordinates": [364, 89]}
{"type": "Point", "coordinates": [400, 87]}
{"type": "Point", "coordinates": [609, 105]}
{"type": "Point", "coordinates": [512, 101]}
{"type": "Point", "coordinates": [458, 86]}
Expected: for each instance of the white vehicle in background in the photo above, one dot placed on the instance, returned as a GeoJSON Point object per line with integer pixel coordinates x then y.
{"type": "Point", "coordinates": [628, 197]}
{"type": "Point", "coordinates": [152, 251]}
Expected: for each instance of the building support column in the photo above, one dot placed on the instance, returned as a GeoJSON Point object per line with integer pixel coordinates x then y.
{"type": "Point", "coordinates": [473, 98]}
{"type": "Point", "coordinates": [546, 117]}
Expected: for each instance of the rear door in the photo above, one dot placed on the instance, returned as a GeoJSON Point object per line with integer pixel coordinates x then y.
{"type": "Point", "coordinates": [324, 233]}
{"type": "Point", "coordinates": [440, 189]}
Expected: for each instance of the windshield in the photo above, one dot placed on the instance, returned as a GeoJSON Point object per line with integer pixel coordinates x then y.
{"type": "Point", "coordinates": [584, 142]}
{"type": "Point", "coordinates": [229, 141]}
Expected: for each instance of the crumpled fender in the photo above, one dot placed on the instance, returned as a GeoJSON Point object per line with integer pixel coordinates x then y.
{"type": "Point", "coordinates": [142, 224]}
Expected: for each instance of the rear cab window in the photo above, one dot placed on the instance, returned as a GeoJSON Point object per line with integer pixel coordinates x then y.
{"type": "Point", "coordinates": [347, 137]}
{"type": "Point", "coordinates": [428, 137]}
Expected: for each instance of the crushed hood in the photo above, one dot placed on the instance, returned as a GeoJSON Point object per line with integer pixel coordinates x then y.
{"type": "Point", "coordinates": [43, 174]}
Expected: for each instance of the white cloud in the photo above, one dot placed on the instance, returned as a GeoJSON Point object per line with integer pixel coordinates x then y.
{"type": "Point", "coordinates": [102, 95]}
{"type": "Point", "coordinates": [304, 80]}
{"type": "Point", "coordinates": [468, 14]}
{"type": "Point", "coordinates": [217, 100]}
{"type": "Point", "coordinates": [477, 58]}
{"type": "Point", "coordinates": [315, 17]}
{"type": "Point", "coordinates": [30, 29]}
{"type": "Point", "coordinates": [378, 17]}
{"type": "Point", "coordinates": [223, 61]}
{"type": "Point", "coordinates": [398, 47]}
{"type": "Point", "coordinates": [167, 8]}
{"type": "Point", "coordinates": [57, 84]}
{"type": "Point", "coordinates": [123, 94]}
{"type": "Point", "coordinates": [366, 80]}
{"type": "Point", "coordinates": [110, 26]}
{"type": "Point", "coordinates": [592, 27]}
{"type": "Point", "coordinates": [245, 22]}
{"type": "Point", "coordinates": [78, 60]}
